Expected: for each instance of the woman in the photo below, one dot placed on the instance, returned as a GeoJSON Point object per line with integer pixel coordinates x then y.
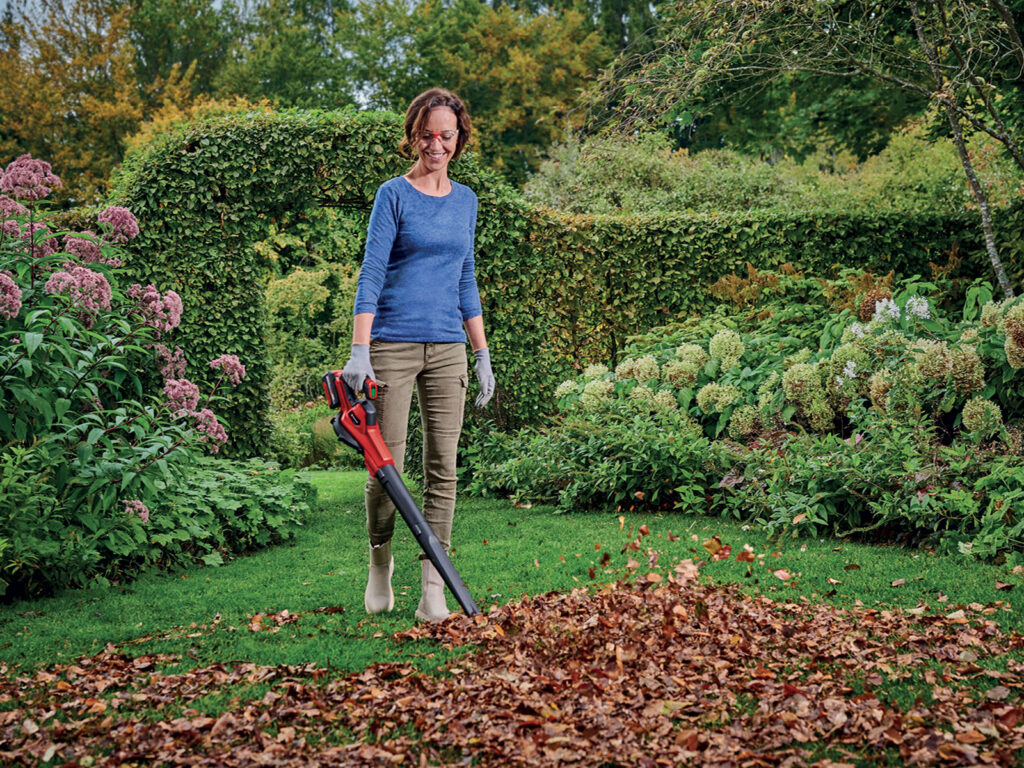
{"type": "Point", "coordinates": [416, 302]}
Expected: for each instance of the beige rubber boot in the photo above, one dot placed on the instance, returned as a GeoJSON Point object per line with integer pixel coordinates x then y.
{"type": "Point", "coordinates": [379, 595]}
{"type": "Point", "coordinates": [432, 604]}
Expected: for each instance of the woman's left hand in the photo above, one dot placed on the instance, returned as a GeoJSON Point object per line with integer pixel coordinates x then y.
{"type": "Point", "coordinates": [484, 375]}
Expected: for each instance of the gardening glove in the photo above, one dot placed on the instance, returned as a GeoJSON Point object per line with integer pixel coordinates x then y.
{"type": "Point", "coordinates": [358, 369]}
{"type": "Point", "coordinates": [484, 375]}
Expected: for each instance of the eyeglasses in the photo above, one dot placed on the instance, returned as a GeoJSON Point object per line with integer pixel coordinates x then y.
{"type": "Point", "coordinates": [427, 137]}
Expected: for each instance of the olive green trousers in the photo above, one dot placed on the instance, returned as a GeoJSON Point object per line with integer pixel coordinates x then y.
{"type": "Point", "coordinates": [439, 374]}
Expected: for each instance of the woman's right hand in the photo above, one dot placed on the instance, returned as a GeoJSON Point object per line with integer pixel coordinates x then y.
{"type": "Point", "coordinates": [358, 369]}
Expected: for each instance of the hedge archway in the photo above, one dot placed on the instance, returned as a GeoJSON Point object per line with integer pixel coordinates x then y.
{"type": "Point", "coordinates": [207, 192]}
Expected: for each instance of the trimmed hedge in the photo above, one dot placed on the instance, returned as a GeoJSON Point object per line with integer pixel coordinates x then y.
{"type": "Point", "coordinates": [558, 290]}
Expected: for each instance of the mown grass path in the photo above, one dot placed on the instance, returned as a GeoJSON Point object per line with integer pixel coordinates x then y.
{"type": "Point", "coordinates": [670, 639]}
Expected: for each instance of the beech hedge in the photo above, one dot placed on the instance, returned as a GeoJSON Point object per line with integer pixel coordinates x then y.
{"type": "Point", "coordinates": [558, 290]}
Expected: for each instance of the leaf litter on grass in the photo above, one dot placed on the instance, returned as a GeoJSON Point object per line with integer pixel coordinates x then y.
{"type": "Point", "coordinates": [639, 672]}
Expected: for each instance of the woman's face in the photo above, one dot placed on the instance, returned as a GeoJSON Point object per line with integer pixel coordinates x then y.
{"type": "Point", "coordinates": [437, 141]}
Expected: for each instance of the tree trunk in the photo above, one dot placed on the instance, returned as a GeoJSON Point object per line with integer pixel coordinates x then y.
{"type": "Point", "coordinates": [946, 99]}
{"type": "Point", "coordinates": [982, 200]}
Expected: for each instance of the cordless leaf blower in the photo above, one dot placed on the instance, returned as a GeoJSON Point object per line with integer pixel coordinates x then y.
{"type": "Point", "coordinates": [356, 425]}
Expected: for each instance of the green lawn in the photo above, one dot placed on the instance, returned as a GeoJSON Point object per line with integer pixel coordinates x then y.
{"type": "Point", "coordinates": [502, 553]}
{"type": "Point", "coordinates": [273, 652]}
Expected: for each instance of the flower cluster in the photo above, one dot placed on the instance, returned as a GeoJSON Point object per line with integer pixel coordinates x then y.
{"type": "Point", "coordinates": [182, 396]}
{"type": "Point", "coordinates": [802, 385]}
{"type": "Point", "coordinates": [800, 382]}
{"type": "Point", "coordinates": [89, 291]}
{"type": "Point", "coordinates": [172, 363]}
{"type": "Point", "coordinates": [886, 309]}
{"type": "Point", "coordinates": [681, 373]}
{"type": "Point", "coordinates": [917, 306]}
{"type": "Point", "coordinates": [10, 208]}
{"type": "Point", "coordinates": [10, 297]}
{"type": "Point", "coordinates": [878, 387]}
{"type": "Point", "coordinates": [210, 429]}
{"type": "Point", "coordinates": [991, 314]}
{"type": "Point", "coordinates": [624, 370]}
{"type": "Point", "coordinates": [968, 369]}
{"type": "Point", "coordinates": [123, 224]}
{"type": "Point", "coordinates": [88, 249]}
{"type": "Point", "coordinates": [595, 393]}
{"type": "Point", "coordinates": [744, 422]}
{"type": "Point", "coordinates": [1013, 327]}
{"type": "Point", "coordinates": [568, 387]}
{"type": "Point", "coordinates": [595, 371]}
{"type": "Point", "coordinates": [982, 418]}
{"type": "Point", "coordinates": [160, 312]}
{"type": "Point", "coordinates": [847, 366]}
{"type": "Point", "coordinates": [715, 397]}
{"type": "Point", "coordinates": [135, 507]}
{"type": "Point", "coordinates": [727, 346]}
{"type": "Point", "coordinates": [29, 179]}
{"type": "Point", "coordinates": [646, 369]}
{"type": "Point", "coordinates": [692, 353]}
{"type": "Point", "coordinates": [231, 366]}
{"type": "Point", "coordinates": [932, 359]}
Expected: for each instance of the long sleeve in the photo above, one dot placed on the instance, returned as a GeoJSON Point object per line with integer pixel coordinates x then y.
{"type": "Point", "coordinates": [469, 294]}
{"type": "Point", "coordinates": [380, 239]}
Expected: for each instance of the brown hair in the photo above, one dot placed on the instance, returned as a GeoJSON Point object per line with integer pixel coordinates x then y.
{"type": "Point", "coordinates": [419, 109]}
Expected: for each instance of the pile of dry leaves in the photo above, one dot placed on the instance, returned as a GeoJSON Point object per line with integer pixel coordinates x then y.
{"type": "Point", "coordinates": [658, 671]}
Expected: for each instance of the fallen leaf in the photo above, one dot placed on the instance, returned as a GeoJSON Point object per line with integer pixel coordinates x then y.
{"type": "Point", "coordinates": [999, 693]}
{"type": "Point", "coordinates": [713, 544]}
{"type": "Point", "coordinates": [1003, 585]}
{"type": "Point", "coordinates": [799, 517]}
{"type": "Point", "coordinates": [782, 574]}
{"type": "Point", "coordinates": [851, 567]}
{"type": "Point", "coordinates": [899, 583]}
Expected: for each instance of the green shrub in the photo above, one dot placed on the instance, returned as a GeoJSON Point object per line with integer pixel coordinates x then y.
{"type": "Point", "coordinates": [643, 175]}
{"type": "Point", "coordinates": [303, 437]}
{"type": "Point", "coordinates": [309, 329]}
{"type": "Point", "coordinates": [226, 507]}
{"type": "Point", "coordinates": [838, 426]}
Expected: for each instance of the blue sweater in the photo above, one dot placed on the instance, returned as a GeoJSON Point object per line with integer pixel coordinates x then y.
{"type": "Point", "coordinates": [417, 276]}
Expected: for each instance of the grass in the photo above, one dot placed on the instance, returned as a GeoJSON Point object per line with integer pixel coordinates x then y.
{"type": "Point", "coordinates": [502, 552]}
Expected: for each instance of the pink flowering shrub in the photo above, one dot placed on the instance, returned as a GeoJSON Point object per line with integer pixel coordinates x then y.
{"type": "Point", "coordinates": [172, 364]}
{"type": "Point", "coordinates": [29, 179]}
{"type": "Point", "coordinates": [182, 396]}
{"type": "Point", "coordinates": [99, 448]}
{"type": "Point", "coordinates": [137, 508]}
{"type": "Point", "coordinates": [10, 208]}
{"type": "Point", "coordinates": [234, 371]}
{"type": "Point", "coordinates": [10, 296]}
{"type": "Point", "coordinates": [87, 249]}
{"type": "Point", "coordinates": [87, 290]}
{"type": "Point", "coordinates": [122, 223]}
{"type": "Point", "coordinates": [211, 431]}
{"type": "Point", "coordinates": [159, 311]}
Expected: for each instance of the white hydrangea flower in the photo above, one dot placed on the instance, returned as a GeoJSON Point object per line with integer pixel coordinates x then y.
{"type": "Point", "coordinates": [595, 371]}
{"type": "Point", "coordinates": [918, 307]}
{"type": "Point", "coordinates": [566, 388]}
{"type": "Point", "coordinates": [886, 309]}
